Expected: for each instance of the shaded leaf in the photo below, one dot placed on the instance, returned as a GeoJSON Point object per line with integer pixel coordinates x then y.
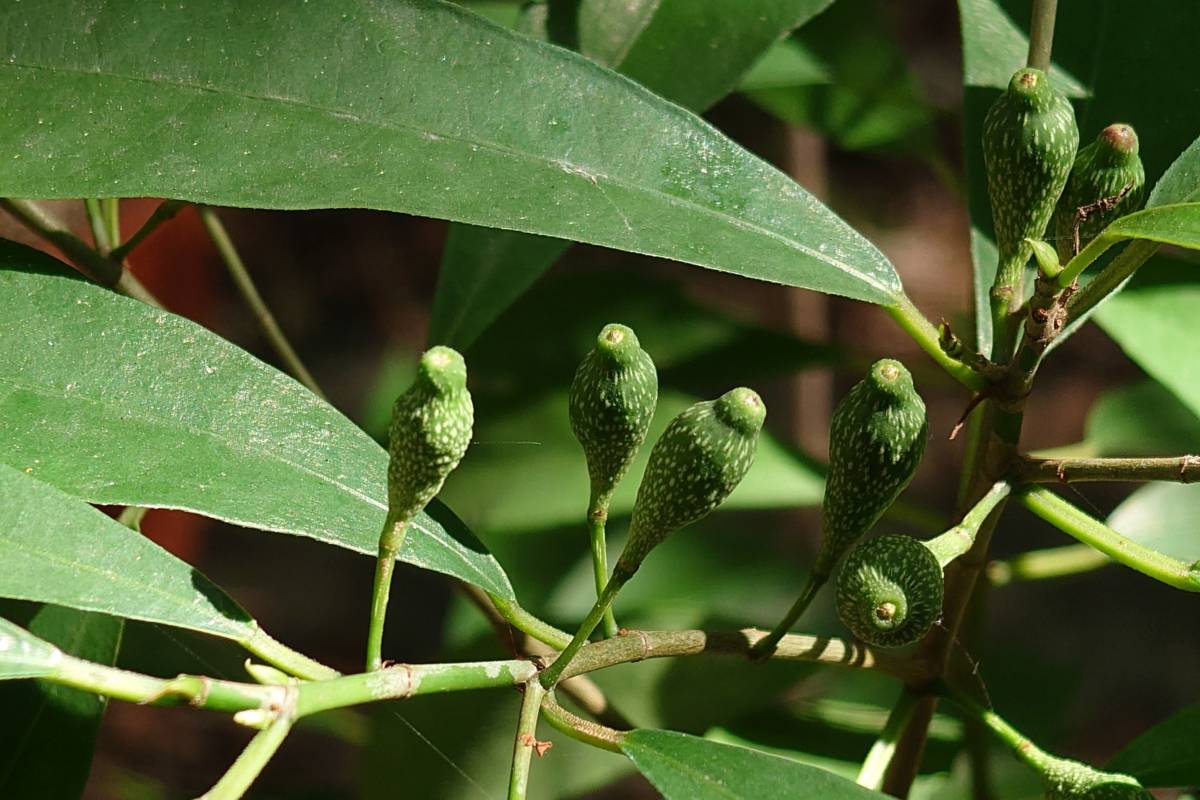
{"type": "Point", "coordinates": [1166, 755]}
{"type": "Point", "coordinates": [788, 63]}
{"type": "Point", "coordinates": [1141, 420]}
{"type": "Point", "coordinates": [1181, 182]}
{"type": "Point", "coordinates": [115, 402]}
{"type": "Point", "coordinates": [240, 105]}
{"type": "Point", "coordinates": [49, 731]}
{"type": "Point", "coordinates": [994, 47]}
{"type": "Point", "coordinates": [685, 767]}
{"type": "Point", "coordinates": [1164, 517]}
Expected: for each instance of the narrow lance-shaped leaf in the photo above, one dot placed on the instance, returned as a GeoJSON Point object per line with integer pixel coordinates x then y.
{"type": "Point", "coordinates": [23, 655]}
{"type": "Point", "coordinates": [116, 402]}
{"type": "Point", "coordinates": [1166, 755]}
{"type": "Point", "coordinates": [428, 110]}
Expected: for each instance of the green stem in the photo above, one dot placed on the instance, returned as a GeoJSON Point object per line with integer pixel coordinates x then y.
{"type": "Point", "coordinates": [578, 728]}
{"type": "Point", "coordinates": [110, 209]}
{"type": "Point", "coordinates": [1054, 562]}
{"type": "Point", "coordinates": [199, 692]}
{"type": "Point", "coordinates": [766, 646]}
{"type": "Point", "coordinates": [165, 212]}
{"type": "Point", "coordinates": [95, 218]}
{"type": "Point", "coordinates": [1041, 34]}
{"type": "Point", "coordinates": [596, 519]}
{"type": "Point", "coordinates": [285, 658]}
{"type": "Point", "coordinates": [875, 766]}
{"type": "Point", "coordinates": [551, 674]}
{"type": "Point", "coordinates": [923, 332]}
{"type": "Point", "coordinates": [527, 623]}
{"type": "Point", "coordinates": [245, 770]}
{"type": "Point", "coordinates": [390, 540]}
{"type": "Point", "coordinates": [1074, 522]}
{"type": "Point", "coordinates": [1022, 747]}
{"type": "Point", "coordinates": [526, 740]}
{"type": "Point", "coordinates": [258, 307]}
{"type": "Point", "coordinates": [959, 539]}
{"type": "Point", "coordinates": [1180, 469]}
{"type": "Point", "coordinates": [1110, 279]}
{"type": "Point", "coordinates": [402, 681]}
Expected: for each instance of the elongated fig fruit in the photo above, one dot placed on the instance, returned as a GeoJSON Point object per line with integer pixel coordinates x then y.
{"type": "Point", "coordinates": [612, 400]}
{"type": "Point", "coordinates": [876, 441]}
{"type": "Point", "coordinates": [1106, 182]}
{"type": "Point", "coordinates": [699, 459]}
{"type": "Point", "coordinates": [1029, 144]}
{"type": "Point", "coordinates": [430, 431]}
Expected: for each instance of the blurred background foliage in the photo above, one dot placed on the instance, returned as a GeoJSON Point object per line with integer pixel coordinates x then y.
{"type": "Point", "coordinates": [864, 106]}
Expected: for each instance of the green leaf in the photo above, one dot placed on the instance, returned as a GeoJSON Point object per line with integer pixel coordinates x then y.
{"type": "Point", "coordinates": [528, 471]}
{"type": "Point", "coordinates": [1141, 420]}
{"type": "Point", "coordinates": [116, 402]}
{"type": "Point", "coordinates": [49, 731]}
{"type": "Point", "coordinates": [649, 39]}
{"type": "Point", "coordinates": [1181, 182]}
{"type": "Point", "coordinates": [1177, 225]}
{"type": "Point", "coordinates": [58, 549]}
{"type": "Point", "coordinates": [685, 767]}
{"type": "Point", "coordinates": [1166, 755]}
{"type": "Point", "coordinates": [1163, 517]}
{"type": "Point", "coordinates": [1154, 321]}
{"type": "Point", "coordinates": [429, 110]}
{"type": "Point", "coordinates": [789, 63]}
{"type": "Point", "coordinates": [23, 655]}
{"type": "Point", "coordinates": [483, 271]}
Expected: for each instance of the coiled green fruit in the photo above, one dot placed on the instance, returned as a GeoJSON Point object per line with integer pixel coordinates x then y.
{"type": "Point", "coordinates": [612, 401]}
{"type": "Point", "coordinates": [876, 441]}
{"type": "Point", "coordinates": [699, 459]}
{"type": "Point", "coordinates": [1070, 780]}
{"type": "Point", "coordinates": [1029, 144]}
{"type": "Point", "coordinates": [1102, 171]}
{"type": "Point", "coordinates": [430, 431]}
{"type": "Point", "coordinates": [890, 590]}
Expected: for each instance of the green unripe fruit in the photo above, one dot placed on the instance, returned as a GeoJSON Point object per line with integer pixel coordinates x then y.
{"type": "Point", "coordinates": [430, 431]}
{"type": "Point", "coordinates": [890, 591]}
{"type": "Point", "coordinates": [876, 440]}
{"type": "Point", "coordinates": [611, 403]}
{"type": "Point", "coordinates": [1103, 170]}
{"type": "Point", "coordinates": [1070, 780]}
{"type": "Point", "coordinates": [1029, 144]}
{"type": "Point", "coordinates": [699, 459]}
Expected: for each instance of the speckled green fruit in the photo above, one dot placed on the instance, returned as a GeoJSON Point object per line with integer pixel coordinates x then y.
{"type": "Point", "coordinates": [430, 431]}
{"type": "Point", "coordinates": [1070, 780]}
{"type": "Point", "coordinates": [612, 401]}
{"type": "Point", "coordinates": [1102, 170]}
{"type": "Point", "coordinates": [876, 440]}
{"type": "Point", "coordinates": [890, 590]}
{"type": "Point", "coordinates": [1029, 144]}
{"type": "Point", "coordinates": [702, 455]}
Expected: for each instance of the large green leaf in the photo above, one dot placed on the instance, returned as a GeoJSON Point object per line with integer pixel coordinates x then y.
{"type": "Point", "coordinates": [57, 549]}
{"type": "Point", "coordinates": [685, 767]}
{"type": "Point", "coordinates": [23, 655]}
{"type": "Point", "coordinates": [1130, 56]}
{"type": "Point", "coordinates": [116, 402]}
{"type": "Point", "coordinates": [49, 731]}
{"type": "Point", "coordinates": [1166, 755]}
{"type": "Point", "coordinates": [1141, 420]}
{"type": "Point", "coordinates": [416, 106]}
{"type": "Point", "coordinates": [1181, 182]}
{"type": "Point", "coordinates": [483, 271]}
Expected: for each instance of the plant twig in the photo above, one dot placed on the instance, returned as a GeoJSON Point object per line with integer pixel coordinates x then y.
{"type": "Point", "coordinates": [99, 229]}
{"type": "Point", "coordinates": [525, 741]}
{"type": "Point", "coordinates": [250, 763]}
{"type": "Point", "coordinates": [1094, 533]}
{"type": "Point", "coordinates": [166, 211]}
{"type": "Point", "coordinates": [1054, 562]}
{"type": "Point", "coordinates": [1177, 469]}
{"type": "Point", "coordinates": [258, 307]}
{"type": "Point", "coordinates": [110, 210]}
{"type": "Point", "coordinates": [1127, 262]}
{"type": "Point", "coordinates": [875, 766]}
{"type": "Point", "coordinates": [390, 541]}
{"type": "Point", "coordinates": [1041, 34]}
{"type": "Point", "coordinates": [579, 728]}
{"type": "Point", "coordinates": [293, 662]}
{"type": "Point", "coordinates": [596, 525]}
